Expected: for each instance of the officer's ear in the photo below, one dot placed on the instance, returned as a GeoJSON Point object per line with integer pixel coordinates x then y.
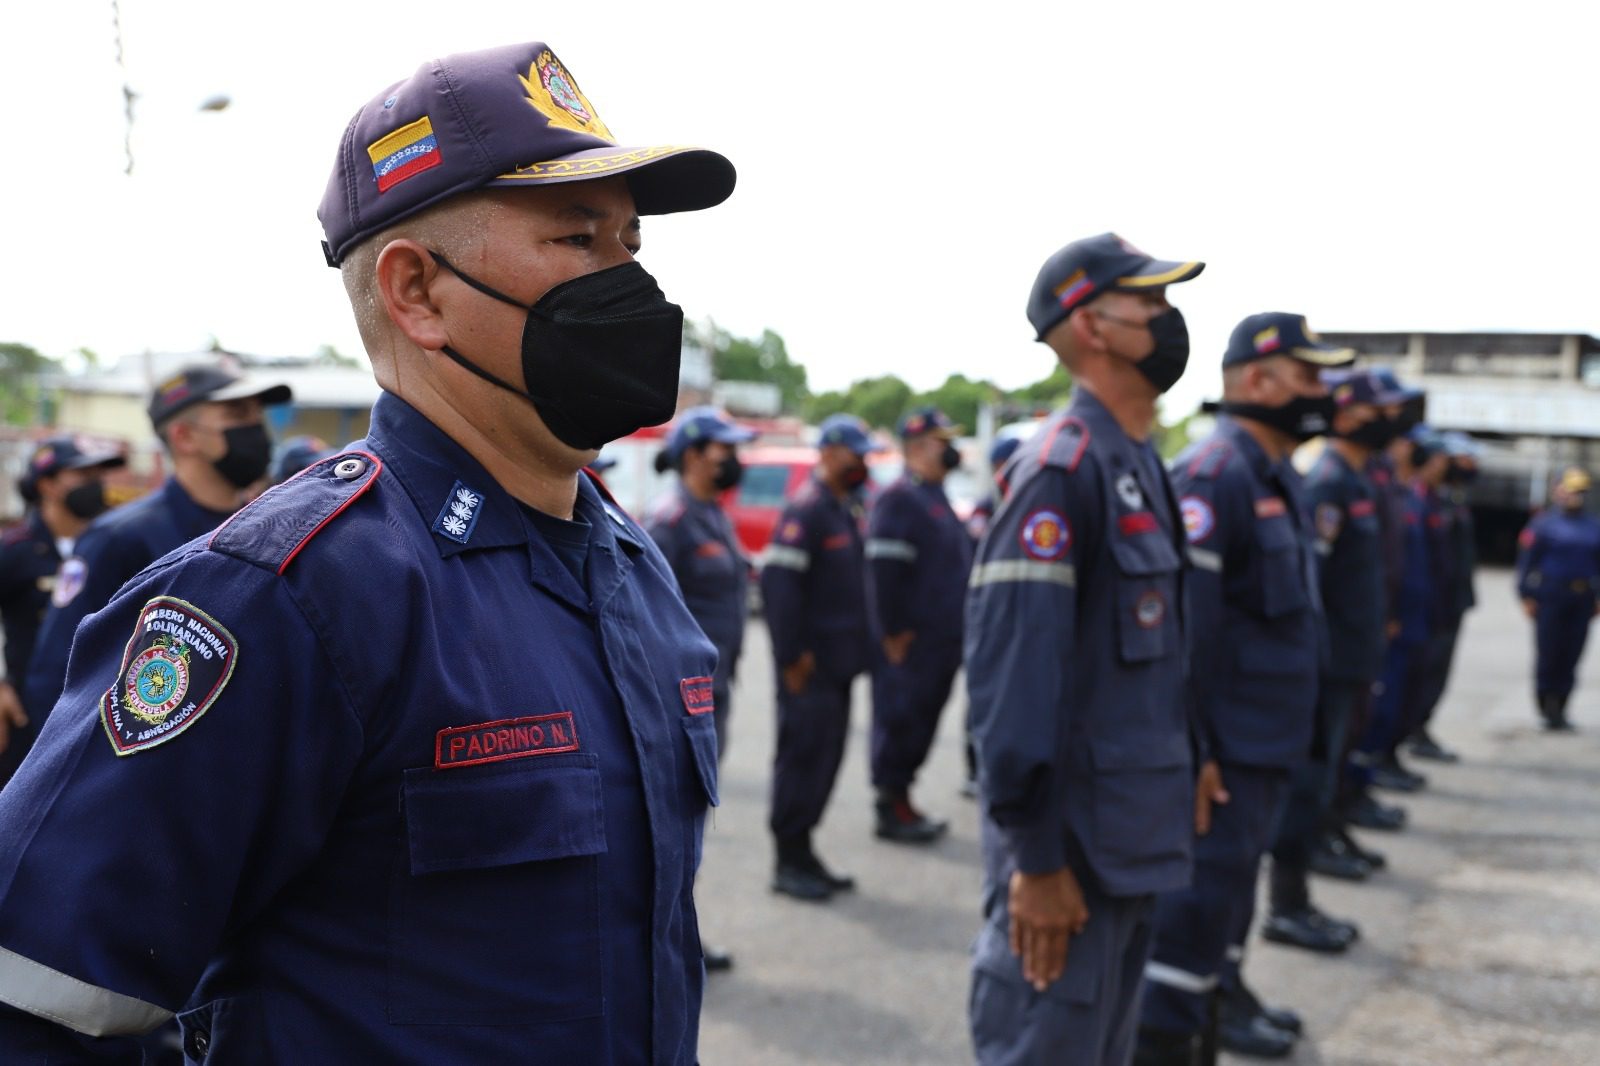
{"type": "Point", "coordinates": [1085, 331]}
{"type": "Point", "coordinates": [406, 272]}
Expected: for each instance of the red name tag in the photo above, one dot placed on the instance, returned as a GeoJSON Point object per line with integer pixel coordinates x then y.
{"type": "Point", "coordinates": [1271, 507]}
{"type": "Point", "coordinates": [835, 542]}
{"type": "Point", "coordinates": [697, 696]}
{"type": "Point", "coordinates": [510, 738]}
{"type": "Point", "coordinates": [710, 550]}
{"type": "Point", "coordinates": [1138, 522]}
{"type": "Point", "coordinates": [1362, 508]}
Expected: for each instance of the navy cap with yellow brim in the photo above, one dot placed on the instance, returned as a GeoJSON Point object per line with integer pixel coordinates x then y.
{"type": "Point", "coordinates": [1086, 268]}
{"type": "Point", "coordinates": [504, 117]}
{"type": "Point", "coordinates": [1281, 333]}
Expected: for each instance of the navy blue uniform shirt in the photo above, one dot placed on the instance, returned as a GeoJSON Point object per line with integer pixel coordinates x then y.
{"type": "Point", "coordinates": [698, 541]}
{"type": "Point", "coordinates": [28, 564]}
{"type": "Point", "coordinates": [1258, 641]}
{"type": "Point", "coordinates": [813, 583]}
{"type": "Point", "coordinates": [1349, 540]}
{"type": "Point", "coordinates": [1559, 556]}
{"type": "Point", "coordinates": [918, 557]}
{"type": "Point", "coordinates": [1075, 662]}
{"type": "Point", "coordinates": [1414, 607]}
{"type": "Point", "coordinates": [368, 776]}
{"type": "Point", "coordinates": [116, 546]}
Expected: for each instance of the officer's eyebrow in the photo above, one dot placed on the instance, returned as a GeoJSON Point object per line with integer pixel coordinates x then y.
{"type": "Point", "coordinates": [587, 213]}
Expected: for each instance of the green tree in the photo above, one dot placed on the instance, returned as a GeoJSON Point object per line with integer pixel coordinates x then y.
{"type": "Point", "coordinates": [763, 359]}
{"type": "Point", "coordinates": [960, 397]}
{"type": "Point", "coordinates": [1049, 391]}
{"type": "Point", "coordinates": [822, 404]}
{"type": "Point", "coordinates": [879, 401]}
{"type": "Point", "coordinates": [20, 369]}
{"type": "Point", "coordinates": [328, 355]}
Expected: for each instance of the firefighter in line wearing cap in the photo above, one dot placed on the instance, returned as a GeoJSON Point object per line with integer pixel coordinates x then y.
{"type": "Point", "coordinates": [409, 762]}
{"type": "Point", "coordinates": [1259, 647]}
{"type": "Point", "coordinates": [813, 593]}
{"type": "Point", "coordinates": [1558, 580]}
{"type": "Point", "coordinates": [212, 423]}
{"type": "Point", "coordinates": [64, 485]}
{"type": "Point", "coordinates": [1074, 652]}
{"type": "Point", "coordinates": [918, 556]}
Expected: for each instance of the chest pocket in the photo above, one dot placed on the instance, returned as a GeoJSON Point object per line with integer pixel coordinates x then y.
{"type": "Point", "coordinates": [495, 914]}
{"type": "Point", "coordinates": [1282, 579]}
{"type": "Point", "coordinates": [1146, 595]}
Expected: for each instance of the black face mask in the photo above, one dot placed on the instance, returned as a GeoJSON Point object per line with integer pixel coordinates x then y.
{"type": "Point", "coordinates": [729, 473]}
{"type": "Point", "coordinates": [248, 455]}
{"type": "Point", "coordinates": [1460, 475]}
{"type": "Point", "coordinates": [1302, 418]}
{"type": "Point", "coordinates": [855, 477]}
{"type": "Point", "coordinates": [1377, 434]}
{"type": "Point", "coordinates": [1166, 362]}
{"type": "Point", "coordinates": [599, 354]}
{"type": "Point", "coordinates": [950, 458]}
{"type": "Point", "coordinates": [85, 501]}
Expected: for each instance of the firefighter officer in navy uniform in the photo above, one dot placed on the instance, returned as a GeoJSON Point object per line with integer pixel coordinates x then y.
{"type": "Point", "coordinates": [1558, 581]}
{"type": "Point", "coordinates": [918, 556]}
{"type": "Point", "coordinates": [1257, 651]}
{"type": "Point", "coordinates": [1074, 655]}
{"type": "Point", "coordinates": [411, 758]}
{"type": "Point", "coordinates": [813, 592]}
{"type": "Point", "coordinates": [64, 485]}
{"type": "Point", "coordinates": [212, 423]}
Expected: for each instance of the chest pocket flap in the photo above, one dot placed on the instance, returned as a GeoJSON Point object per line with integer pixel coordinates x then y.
{"type": "Point", "coordinates": [1146, 595]}
{"type": "Point", "coordinates": [523, 810]}
{"type": "Point", "coordinates": [1282, 578]}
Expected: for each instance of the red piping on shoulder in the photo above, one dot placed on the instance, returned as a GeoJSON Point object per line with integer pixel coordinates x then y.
{"type": "Point", "coordinates": [377, 468]}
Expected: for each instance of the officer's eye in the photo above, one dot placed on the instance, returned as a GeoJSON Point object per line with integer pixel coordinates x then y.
{"type": "Point", "coordinates": [579, 240]}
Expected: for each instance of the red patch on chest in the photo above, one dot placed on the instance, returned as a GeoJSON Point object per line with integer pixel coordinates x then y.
{"type": "Point", "coordinates": [509, 738]}
{"type": "Point", "coordinates": [697, 695]}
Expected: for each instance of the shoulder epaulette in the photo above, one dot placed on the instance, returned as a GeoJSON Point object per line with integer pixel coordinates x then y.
{"type": "Point", "coordinates": [1065, 444]}
{"type": "Point", "coordinates": [272, 529]}
{"type": "Point", "coordinates": [1210, 459]}
{"type": "Point", "coordinates": [14, 534]}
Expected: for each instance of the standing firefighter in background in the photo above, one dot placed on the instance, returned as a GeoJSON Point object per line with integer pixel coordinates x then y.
{"type": "Point", "coordinates": [1558, 579]}
{"type": "Point", "coordinates": [1258, 651]}
{"type": "Point", "coordinates": [695, 534]}
{"type": "Point", "coordinates": [419, 745]}
{"type": "Point", "coordinates": [1075, 670]}
{"type": "Point", "coordinates": [813, 591]}
{"type": "Point", "coordinates": [1457, 597]}
{"type": "Point", "coordinates": [213, 425]}
{"type": "Point", "coordinates": [64, 484]}
{"type": "Point", "coordinates": [918, 557]}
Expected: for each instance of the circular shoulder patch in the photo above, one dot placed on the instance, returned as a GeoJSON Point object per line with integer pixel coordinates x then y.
{"type": "Point", "coordinates": [1045, 535]}
{"type": "Point", "coordinates": [1199, 520]}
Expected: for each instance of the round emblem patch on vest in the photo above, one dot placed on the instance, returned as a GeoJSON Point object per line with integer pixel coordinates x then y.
{"type": "Point", "coordinates": [1198, 518]}
{"type": "Point", "coordinates": [1046, 535]}
{"type": "Point", "coordinates": [176, 665]}
{"type": "Point", "coordinates": [1149, 609]}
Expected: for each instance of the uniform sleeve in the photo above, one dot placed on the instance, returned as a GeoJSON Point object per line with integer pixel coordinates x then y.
{"type": "Point", "coordinates": [1021, 640]}
{"type": "Point", "coordinates": [100, 564]}
{"type": "Point", "coordinates": [668, 535]}
{"type": "Point", "coordinates": [785, 572]}
{"type": "Point", "coordinates": [893, 544]}
{"type": "Point", "coordinates": [1218, 518]}
{"type": "Point", "coordinates": [191, 768]}
{"type": "Point", "coordinates": [1530, 551]}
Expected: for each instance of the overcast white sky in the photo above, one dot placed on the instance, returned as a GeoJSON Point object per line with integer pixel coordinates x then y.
{"type": "Point", "coordinates": [902, 172]}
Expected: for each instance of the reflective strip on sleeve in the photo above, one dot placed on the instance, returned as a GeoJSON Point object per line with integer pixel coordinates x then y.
{"type": "Point", "coordinates": [39, 990]}
{"type": "Point", "coordinates": [903, 550]}
{"type": "Point", "coordinates": [1182, 980]}
{"type": "Point", "coordinates": [1004, 571]}
{"type": "Point", "coordinates": [786, 557]}
{"type": "Point", "coordinates": [1205, 559]}
{"type": "Point", "coordinates": [1324, 548]}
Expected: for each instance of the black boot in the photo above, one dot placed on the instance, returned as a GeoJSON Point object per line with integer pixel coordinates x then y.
{"type": "Point", "coordinates": [794, 874]}
{"type": "Point", "coordinates": [1423, 746]}
{"type": "Point", "coordinates": [1332, 857]}
{"type": "Point", "coordinates": [899, 821]}
{"type": "Point", "coordinates": [1158, 1047]}
{"type": "Point", "coordinates": [1557, 721]}
{"type": "Point", "coordinates": [1240, 1003]}
{"type": "Point", "coordinates": [837, 882]}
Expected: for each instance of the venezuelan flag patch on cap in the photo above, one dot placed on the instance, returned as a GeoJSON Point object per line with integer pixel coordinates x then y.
{"type": "Point", "coordinates": [405, 153]}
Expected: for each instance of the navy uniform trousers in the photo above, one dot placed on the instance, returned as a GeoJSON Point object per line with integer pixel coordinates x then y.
{"type": "Point", "coordinates": [1560, 632]}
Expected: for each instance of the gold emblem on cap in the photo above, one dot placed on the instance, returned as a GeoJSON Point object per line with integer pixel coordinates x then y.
{"type": "Point", "coordinates": [554, 93]}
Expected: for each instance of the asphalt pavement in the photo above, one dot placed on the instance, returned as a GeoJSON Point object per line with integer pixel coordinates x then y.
{"type": "Point", "coordinates": [1481, 945]}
